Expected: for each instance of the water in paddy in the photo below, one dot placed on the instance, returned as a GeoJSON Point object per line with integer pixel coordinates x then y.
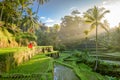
{"type": "Point", "coordinates": [64, 73]}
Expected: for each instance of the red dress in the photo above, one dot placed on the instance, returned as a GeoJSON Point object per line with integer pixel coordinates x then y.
{"type": "Point", "coordinates": [30, 45]}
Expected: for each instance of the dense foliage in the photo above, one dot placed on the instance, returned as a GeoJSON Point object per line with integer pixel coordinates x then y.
{"type": "Point", "coordinates": [18, 21]}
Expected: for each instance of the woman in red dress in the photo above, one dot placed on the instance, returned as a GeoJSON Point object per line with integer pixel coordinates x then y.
{"type": "Point", "coordinates": [30, 46]}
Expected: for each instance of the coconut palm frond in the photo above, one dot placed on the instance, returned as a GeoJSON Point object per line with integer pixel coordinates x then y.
{"type": "Point", "coordinates": [93, 26]}
{"type": "Point", "coordinates": [86, 32]}
{"type": "Point", "coordinates": [102, 25]}
{"type": "Point", "coordinates": [102, 14]}
{"type": "Point", "coordinates": [88, 16]}
{"type": "Point", "coordinates": [88, 21]}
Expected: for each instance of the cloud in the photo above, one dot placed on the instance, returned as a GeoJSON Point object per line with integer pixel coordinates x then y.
{"type": "Point", "coordinates": [49, 20]}
{"type": "Point", "coordinates": [104, 2]}
{"type": "Point", "coordinates": [112, 17]}
{"type": "Point", "coordinates": [49, 25]}
{"type": "Point", "coordinates": [42, 17]}
{"type": "Point", "coordinates": [73, 8]}
{"type": "Point", "coordinates": [110, 2]}
{"type": "Point", "coordinates": [55, 22]}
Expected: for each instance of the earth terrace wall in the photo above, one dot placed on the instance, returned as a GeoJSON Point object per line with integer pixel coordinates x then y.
{"type": "Point", "coordinates": [12, 59]}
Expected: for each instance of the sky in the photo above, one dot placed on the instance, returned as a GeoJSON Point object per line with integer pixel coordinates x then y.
{"type": "Point", "coordinates": [51, 12]}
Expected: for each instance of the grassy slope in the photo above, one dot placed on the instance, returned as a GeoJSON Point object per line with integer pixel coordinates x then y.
{"type": "Point", "coordinates": [11, 50]}
{"type": "Point", "coordinates": [39, 64]}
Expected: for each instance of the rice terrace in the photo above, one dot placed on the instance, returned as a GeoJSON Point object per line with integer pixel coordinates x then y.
{"type": "Point", "coordinates": [59, 40]}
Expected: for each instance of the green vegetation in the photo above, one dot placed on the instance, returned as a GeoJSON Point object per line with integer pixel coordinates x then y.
{"type": "Point", "coordinates": [83, 71]}
{"type": "Point", "coordinates": [37, 64]}
{"type": "Point", "coordinates": [18, 22]}
{"type": "Point", "coordinates": [7, 39]}
{"type": "Point", "coordinates": [11, 50]}
{"type": "Point", "coordinates": [80, 63]}
{"type": "Point", "coordinates": [40, 66]}
{"type": "Point", "coordinates": [92, 54]}
{"type": "Point", "coordinates": [12, 57]}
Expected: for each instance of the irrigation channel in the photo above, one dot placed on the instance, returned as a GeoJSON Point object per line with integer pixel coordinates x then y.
{"type": "Point", "coordinates": [64, 73]}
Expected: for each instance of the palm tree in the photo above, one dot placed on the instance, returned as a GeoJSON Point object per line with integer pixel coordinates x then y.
{"type": "Point", "coordinates": [8, 10]}
{"type": "Point", "coordinates": [24, 5]}
{"type": "Point", "coordinates": [94, 17]}
{"type": "Point", "coordinates": [30, 21]}
{"type": "Point", "coordinates": [41, 2]}
{"type": "Point", "coordinates": [1, 7]}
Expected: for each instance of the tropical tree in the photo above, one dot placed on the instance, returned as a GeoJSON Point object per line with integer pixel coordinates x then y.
{"type": "Point", "coordinates": [75, 12]}
{"type": "Point", "coordinates": [30, 21]}
{"type": "Point", "coordinates": [1, 8]}
{"type": "Point", "coordinates": [94, 17]}
{"type": "Point", "coordinates": [8, 11]}
{"type": "Point", "coordinates": [56, 27]}
{"type": "Point", "coordinates": [41, 2]}
{"type": "Point", "coordinates": [28, 16]}
{"type": "Point", "coordinates": [24, 4]}
{"type": "Point", "coordinates": [115, 38]}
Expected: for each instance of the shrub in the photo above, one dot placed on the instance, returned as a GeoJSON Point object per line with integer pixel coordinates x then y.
{"type": "Point", "coordinates": [24, 38]}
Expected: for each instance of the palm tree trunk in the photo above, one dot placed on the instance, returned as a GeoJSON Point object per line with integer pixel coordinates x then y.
{"type": "Point", "coordinates": [22, 28]}
{"type": "Point", "coordinates": [96, 62]}
{"type": "Point", "coordinates": [1, 13]}
{"type": "Point", "coordinates": [108, 39]}
{"type": "Point", "coordinates": [37, 9]}
{"type": "Point", "coordinates": [86, 44]}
